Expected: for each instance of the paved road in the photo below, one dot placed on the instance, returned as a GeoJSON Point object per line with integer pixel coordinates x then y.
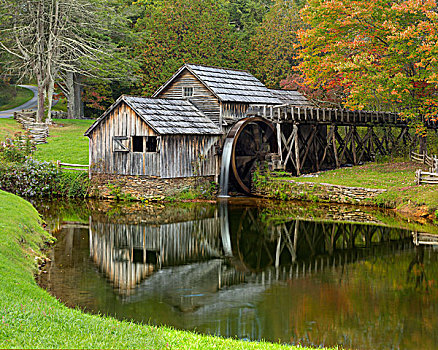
{"type": "Point", "coordinates": [31, 104]}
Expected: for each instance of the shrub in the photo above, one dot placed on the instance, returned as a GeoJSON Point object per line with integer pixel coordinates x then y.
{"type": "Point", "coordinates": [73, 185]}
{"type": "Point", "coordinates": [17, 149]}
{"type": "Point", "coordinates": [29, 178]}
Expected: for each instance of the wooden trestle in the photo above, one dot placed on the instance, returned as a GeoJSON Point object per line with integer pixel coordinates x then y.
{"type": "Point", "coordinates": [312, 139]}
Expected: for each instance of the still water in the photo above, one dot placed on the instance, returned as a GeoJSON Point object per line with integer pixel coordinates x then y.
{"type": "Point", "coordinates": [248, 270]}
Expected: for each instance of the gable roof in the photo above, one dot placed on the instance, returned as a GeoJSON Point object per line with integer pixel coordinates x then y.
{"type": "Point", "coordinates": [166, 116]}
{"type": "Point", "coordinates": [228, 85]}
{"type": "Point", "coordinates": [291, 97]}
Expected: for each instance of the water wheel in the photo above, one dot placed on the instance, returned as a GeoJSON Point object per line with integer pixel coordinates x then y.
{"type": "Point", "coordinates": [253, 140]}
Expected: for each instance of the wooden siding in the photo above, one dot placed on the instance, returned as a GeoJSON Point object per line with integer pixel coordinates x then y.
{"type": "Point", "coordinates": [181, 152]}
{"type": "Point", "coordinates": [176, 157]}
{"type": "Point", "coordinates": [202, 98]}
{"type": "Point", "coordinates": [233, 111]}
{"type": "Point", "coordinates": [122, 121]}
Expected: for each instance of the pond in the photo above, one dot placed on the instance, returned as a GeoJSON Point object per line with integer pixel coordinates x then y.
{"type": "Point", "coordinates": [316, 275]}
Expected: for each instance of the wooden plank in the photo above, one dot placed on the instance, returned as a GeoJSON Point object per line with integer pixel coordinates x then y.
{"type": "Point", "coordinates": [327, 146]}
{"type": "Point", "coordinates": [335, 150]}
{"type": "Point", "coordinates": [74, 165]}
{"type": "Point", "coordinates": [289, 145]}
{"type": "Point", "coordinates": [76, 169]}
{"type": "Point", "coordinates": [280, 149]}
{"type": "Point", "coordinates": [297, 150]}
{"type": "Point", "coordinates": [308, 145]}
{"type": "Point", "coordinates": [353, 145]}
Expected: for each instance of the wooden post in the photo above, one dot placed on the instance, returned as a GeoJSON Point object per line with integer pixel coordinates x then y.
{"type": "Point", "coordinates": [353, 145]}
{"type": "Point", "coordinates": [335, 151]}
{"type": "Point", "coordinates": [297, 149]}
{"type": "Point", "coordinates": [280, 150]}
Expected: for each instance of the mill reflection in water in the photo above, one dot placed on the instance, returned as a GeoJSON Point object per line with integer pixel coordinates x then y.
{"type": "Point", "coordinates": [230, 271]}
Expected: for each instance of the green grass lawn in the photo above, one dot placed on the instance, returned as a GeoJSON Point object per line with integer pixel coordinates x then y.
{"type": "Point", "coordinates": [22, 96]}
{"type": "Point", "coordinates": [31, 318]}
{"type": "Point", "coordinates": [398, 178]}
{"type": "Point", "coordinates": [8, 127]}
{"type": "Point", "coordinates": [372, 175]}
{"type": "Point", "coordinates": [66, 143]}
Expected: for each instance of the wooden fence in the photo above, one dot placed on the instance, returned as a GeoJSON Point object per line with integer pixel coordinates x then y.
{"type": "Point", "coordinates": [430, 161]}
{"type": "Point", "coordinates": [423, 177]}
{"type": "Point", "coordinates": [76, 167]}
{"type": "Point", "coordinates": [424, 238]}
{"type": "Point", "coordinates": [38, 131]}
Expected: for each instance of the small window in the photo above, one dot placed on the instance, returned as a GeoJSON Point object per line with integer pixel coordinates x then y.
{"type": "Point", "coordinates": [138, 256]}
{"type": "Point", "coordinates": [145, 144]}
{"type": "Point", "coordinates": [152, 257]}
{"type": "Point", "coordinates": [187, 92]}
{"type": "Point", "coordinates": [137, 143]}
{"type": "Point", "coordinates": [151, 144]}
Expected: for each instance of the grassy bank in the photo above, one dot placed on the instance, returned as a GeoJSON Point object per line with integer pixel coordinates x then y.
{"type": "Point", "coordinates": [8, 127]}
{"type": "Point", "coordinates": [13, 96]}
{"type": "Point", "coordinates": [66, 143]}
{"type": "Point", "coordinates": [31, 318]}
{"type": "Point", "coordinates": [398, 179]}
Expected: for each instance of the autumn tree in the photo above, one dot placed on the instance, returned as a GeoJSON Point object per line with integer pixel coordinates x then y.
{"type": "Point", "coordinates": [382, 54]}
{"type": "Point", "coordinates": [177, 31]}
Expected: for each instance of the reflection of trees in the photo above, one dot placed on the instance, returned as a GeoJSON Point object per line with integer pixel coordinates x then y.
{"type": "Point", "coordinates": [416, 272]}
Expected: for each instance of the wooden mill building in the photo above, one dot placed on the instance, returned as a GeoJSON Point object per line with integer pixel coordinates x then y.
{"type": "Point", "coordinates": [153, 137]}
{"type": "Point", "coordinates": [223, 95]}
{"type": "Point", "coordinates": [177, 133]}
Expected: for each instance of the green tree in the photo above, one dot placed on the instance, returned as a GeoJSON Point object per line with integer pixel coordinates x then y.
{"type": "Point", "coordinates": [382, 54]}
{"type": "Point", "coordinates": [247, 15]}
{"type": "Point", "coordinates": [273, 45]}
{"type": "Point", "coordinates": [173, 32]}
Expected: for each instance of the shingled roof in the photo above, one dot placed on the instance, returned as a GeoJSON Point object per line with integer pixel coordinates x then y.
{"type": "Point", "coordinates": [166, 116]}
{"type": "Point", "coordinates": [229, 85]}
{"type": "Point", "coordinates": [291, 97]}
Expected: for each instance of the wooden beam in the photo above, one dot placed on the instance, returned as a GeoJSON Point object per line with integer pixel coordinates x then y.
{"type": "Point", "coordinates": [297, 149]}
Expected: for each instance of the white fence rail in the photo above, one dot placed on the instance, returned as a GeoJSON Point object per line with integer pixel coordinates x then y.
{"type": "Point", "coordinates": [422, 238]}
{"type": "Point", "coordinates": [430, 161]}
{"type": "Point", "coordinates": [68, 166]}
{"type": "Point", "coordinates": [423, 177]}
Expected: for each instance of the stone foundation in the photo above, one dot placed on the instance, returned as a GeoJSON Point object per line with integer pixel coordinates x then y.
{"type": "Point", "coordinates": [139, 187]}
{"type": "Point", "coordinates": [290, 190]}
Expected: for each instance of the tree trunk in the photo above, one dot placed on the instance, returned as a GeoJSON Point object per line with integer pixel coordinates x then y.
{"type": "Point", "coordinates": [78, 104]}
{"type": "Point", "coordinates": [69, 94]}
{"type": "Point", "coordinates": [50, 90]}
{"type": "Point", "coordinates": [41, 98]}
{"type": "Point", "coordinates": [423, 145]}
{"type": "Point", "coordinates": [74, 96]}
